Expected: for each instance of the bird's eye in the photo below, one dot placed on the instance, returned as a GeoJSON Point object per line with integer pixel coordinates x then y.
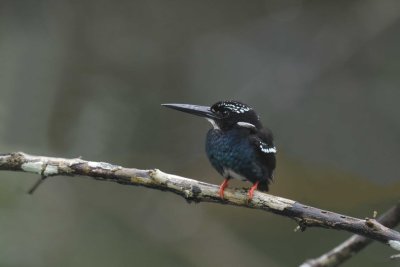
{"type": "Point", "coordinates": [224, 113]}
{"type": "Point", "coordinates": [220, 111]}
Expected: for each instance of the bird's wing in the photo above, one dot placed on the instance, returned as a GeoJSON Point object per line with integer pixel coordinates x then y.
{"type": "Point", "coordinates": [263, 144]}
{"type": "Point", "coordinates": [264, 141]}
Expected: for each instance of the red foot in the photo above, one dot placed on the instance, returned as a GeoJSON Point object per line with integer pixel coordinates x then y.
{"type": "Point", "coordinates": [222, 188]}
{"type": "Point", "coordinates": [251, 191]}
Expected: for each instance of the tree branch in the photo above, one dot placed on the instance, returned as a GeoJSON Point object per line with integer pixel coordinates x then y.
{"type": "Point", "coordinates": [354, 244]}
{"type": "Point", "coordinates": [192, 190]}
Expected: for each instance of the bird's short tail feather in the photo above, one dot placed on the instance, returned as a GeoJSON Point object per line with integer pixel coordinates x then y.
{"type": "Point", "coordinates": [263, 186]}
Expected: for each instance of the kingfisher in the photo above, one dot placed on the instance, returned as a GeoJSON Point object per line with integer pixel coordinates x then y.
{"type": "Point", "coordinates": [237, 145]}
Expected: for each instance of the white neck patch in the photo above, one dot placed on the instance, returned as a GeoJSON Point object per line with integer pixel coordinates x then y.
{"type": "Point", "coordinates": [213, 123]}
{"type": "Point", "coordinates": [246, 125]}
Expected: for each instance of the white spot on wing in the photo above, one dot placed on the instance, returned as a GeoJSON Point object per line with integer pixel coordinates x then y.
{"type": "Point", "coordinates": [264, 148]}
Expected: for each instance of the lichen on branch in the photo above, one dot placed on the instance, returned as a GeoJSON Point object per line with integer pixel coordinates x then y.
{"type": "Point", "coordinates": [193, 190]}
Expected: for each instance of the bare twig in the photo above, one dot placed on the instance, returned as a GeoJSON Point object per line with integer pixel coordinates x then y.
{"type": "Point", "coordinates": [192, 190]}
{"type": "Point", "coordinates": [354, 244]}
{"type": "Point", "coordinates": [35, 186]}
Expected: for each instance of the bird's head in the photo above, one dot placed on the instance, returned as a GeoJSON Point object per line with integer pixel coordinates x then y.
{"type": "Point", "coordinates": [224, 115]}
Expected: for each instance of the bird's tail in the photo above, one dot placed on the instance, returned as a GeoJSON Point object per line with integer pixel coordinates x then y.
{"type": "Point", "coordinates": [263, 185]}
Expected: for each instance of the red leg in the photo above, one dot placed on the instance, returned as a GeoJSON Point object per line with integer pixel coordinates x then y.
{"type": "Point", "coordinates": [251, 191]}
{"type": "Point", "coordinates": [222, 187]}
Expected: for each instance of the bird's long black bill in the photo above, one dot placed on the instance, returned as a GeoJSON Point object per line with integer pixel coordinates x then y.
{"type": "Point", "coordinates": [202, 111]}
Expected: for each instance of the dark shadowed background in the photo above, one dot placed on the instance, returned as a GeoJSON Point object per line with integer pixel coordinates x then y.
{"type": "Point", "coordinates": [86, 78]}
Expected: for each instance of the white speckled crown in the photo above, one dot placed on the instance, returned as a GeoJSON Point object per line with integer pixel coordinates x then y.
{"type": "Point", "coordinates": [232, 106]}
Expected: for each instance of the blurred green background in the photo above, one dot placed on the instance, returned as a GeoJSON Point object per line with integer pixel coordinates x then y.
{"type": "Point", "coordinates": [86, 78]}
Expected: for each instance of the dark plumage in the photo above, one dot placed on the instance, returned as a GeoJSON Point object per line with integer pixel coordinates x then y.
{"type": "Point", "coordinates": [237, 146]}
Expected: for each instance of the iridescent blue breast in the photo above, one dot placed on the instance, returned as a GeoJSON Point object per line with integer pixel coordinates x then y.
{"type": "Point", "coordinates": [234, 156]}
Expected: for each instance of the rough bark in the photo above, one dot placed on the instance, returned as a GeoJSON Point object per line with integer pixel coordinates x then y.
{"type": "Point", "coordinates": [193, 190]}
{"type": "Point", "coordinates": [354, 244]}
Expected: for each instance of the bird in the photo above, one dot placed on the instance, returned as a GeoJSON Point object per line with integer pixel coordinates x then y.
{"type": "Point", "coordinates": [237, 145]}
